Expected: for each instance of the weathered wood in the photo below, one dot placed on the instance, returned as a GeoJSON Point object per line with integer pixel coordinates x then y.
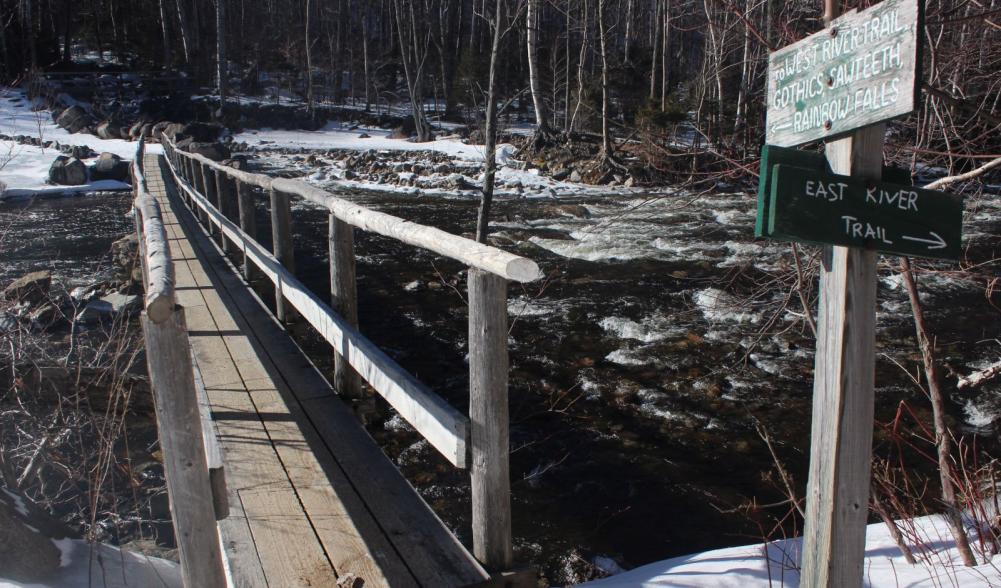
{"type": "Point", "coordinates": [488, 415]}
{"type": "Point", "coordinates": [209, 189]}
{"type": "Point", "coordinates": [281, 245]}
{"type": "Point", "coordinates": [179, 425]}
{"type": "Point", "coordinates": [433, 555]}
{"type": "Point", "coordinates": [467, 251]}
{"type": "Point", "coordinates": [248, 224]}
{"type": "Point", "coordinates": [158, 271]}
{"type": "Point", "coordinates": [343, 297]}
{"type": "Point", "coordinates": [860, 70]}
{"type": "Point", "coordinates": [445, 428]}
{"type": "Point", "coordinates": [227, 206]}
{"type": "Point", "coordinates": [837, 501]}
{"type": "Point", "coordinates": [213, 454]}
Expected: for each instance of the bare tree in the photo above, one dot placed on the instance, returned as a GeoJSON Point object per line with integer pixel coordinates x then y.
{"type": "Point", "coordinates": [543, 134]}
{"type": "Point", "coordinates": [221, 68]}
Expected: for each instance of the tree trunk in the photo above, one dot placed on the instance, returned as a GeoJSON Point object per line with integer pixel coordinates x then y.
{"type": "Point", "coordinates": [582, 59]}
{"type": "Point", "coordinates": [542, 131]}
{"type": "Point", "coordinates": [627, 40]}
{"type": "Point", "coordinates": [745, 71]}
{"type": "Point", "coordinates": [165, 31]}
{"type": "Point", "coordinates": [412, 67]}
{"type": "Point", "coordinates": [187, 39]}
{"type": "Point", "coordinates": [665, 51]}
{"type": "Point", "coordinates": [309, 61]}
{"type": "Point", "coordinates": [221, 69]}
{"type": "Point", "coordinates": [943, 440]}
{"type": "Point", "coordinates": [490, 131]}
{"type": "Point", "coordinates": [606, 140]}
{"type": "Point", "coordinates": [653, 52]}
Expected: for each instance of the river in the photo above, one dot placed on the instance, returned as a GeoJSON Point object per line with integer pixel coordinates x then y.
{"type": "Point", "coordinates": [662, 335]}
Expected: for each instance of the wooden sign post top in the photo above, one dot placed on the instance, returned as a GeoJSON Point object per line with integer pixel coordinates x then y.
{"type": "Point", "coordinates": [859, 71]}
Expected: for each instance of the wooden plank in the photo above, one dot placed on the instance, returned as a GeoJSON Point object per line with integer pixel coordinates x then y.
{"type": "Point", "coordinates": [275, 516]}
{"type": "Point", "coordinates": [860, 70]}
{"type": "Point", "coordinates": [837, 500]}
{"type": "Point", "coordinates": [488, 413]}
{"type": "Point", "coordinates": [343, 297]}
{"type": "Point", "coordinates": [213, 454]}
{"type": "Point", "coordinates": [179, 427]}
{"type": "Point", "coordinates": [444, 427]}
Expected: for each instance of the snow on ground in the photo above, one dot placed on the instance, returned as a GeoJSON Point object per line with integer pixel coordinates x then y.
{"type": "Point", "coordinates": [939, 565]}
{"type": "Point", "coordinates": [24, 168]}
{"type": "Point", "coordinates": [85, 565]}
{"type": "Point", "coordinates": [340, 135]}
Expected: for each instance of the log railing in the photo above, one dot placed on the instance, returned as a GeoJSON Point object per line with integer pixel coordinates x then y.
{"type": "Point", "coordinates": [221, 197]}
{"type": "Point", "coordinates": [191, 458]}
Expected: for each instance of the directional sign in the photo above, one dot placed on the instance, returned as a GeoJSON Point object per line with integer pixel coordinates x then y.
{"type": "Point", "coordinates": [860, 70]}
{"type": "Point", "coordinates": [772, 156]}
{"type": "Point", "coordinates": [816, 207]}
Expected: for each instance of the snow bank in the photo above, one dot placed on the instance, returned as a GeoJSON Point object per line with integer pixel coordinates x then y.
{"type": "Point", "coordinates": [25, 168]}
{"type": "Point", "coordinates": [339, 135]}
{"type": "Point", "coordinates": [775, 564]}
{"type": "Point", "coordinates": [84, 565]}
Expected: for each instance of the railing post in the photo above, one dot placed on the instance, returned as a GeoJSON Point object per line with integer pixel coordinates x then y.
{"type": "Point", "coordinates": [343, 297]}
{"type": "Point", "coordinates": [168, 356]}
{"type": "Point", "coordinates": [209, 185]}
{"type": "Point", "coordinates": [248, 223]}
{"type": "Point", "coordinates": [227, 205]}
{"type": "Point", "coordinates": [488, 415]}
{"type": "Point", "coordinates": [281, 239]}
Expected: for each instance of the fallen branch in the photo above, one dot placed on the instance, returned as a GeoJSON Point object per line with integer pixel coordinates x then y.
{"type": "Point", "coordinates": [967, 176]}
{"type": "Point", "coordinates": [977, 378]}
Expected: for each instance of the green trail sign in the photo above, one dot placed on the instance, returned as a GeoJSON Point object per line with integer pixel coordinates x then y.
{"type": "Point", "coordinates": [860, 70]}
{"type": "Point", "coordinates": [819, 207]}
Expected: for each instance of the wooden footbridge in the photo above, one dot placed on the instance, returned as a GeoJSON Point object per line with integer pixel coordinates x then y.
{"type": "Point", "coordinates": [272, 479]}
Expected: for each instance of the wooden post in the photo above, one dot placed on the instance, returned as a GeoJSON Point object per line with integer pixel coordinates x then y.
{"type": "Point", "coordinates": [837, 500]}
{"type": "Point", "coordinates": [248, 223]}
{"type": "Point", "coordinates": [488, 415]}
{"type": "Point", "coordinates": [209, 186]}
{"type": "Point", "coordinates": [227, 205]}
{"type": "Point", "coordinates": [281, 240]}
{"type": "Point", "coordinates": [168, 356]}
{"type": "Point", "coordinates": [343, 297]}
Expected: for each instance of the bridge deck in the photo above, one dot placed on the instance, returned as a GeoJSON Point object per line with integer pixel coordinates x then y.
{"type": "Point", "coordinates": [312, 498]}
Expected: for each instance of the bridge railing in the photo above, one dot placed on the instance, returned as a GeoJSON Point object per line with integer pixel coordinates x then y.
{"type": "Point", "coordinates": [191, 457]}
{"type": "Point", "coordinates": [221, 196]}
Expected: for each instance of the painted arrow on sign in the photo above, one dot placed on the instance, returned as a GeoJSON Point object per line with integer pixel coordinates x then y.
{"type": "Point", "coordinates": [936, 243]}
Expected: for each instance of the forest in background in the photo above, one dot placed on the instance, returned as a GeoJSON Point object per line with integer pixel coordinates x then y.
{"type": "Point", "coordinates": [618, 71]}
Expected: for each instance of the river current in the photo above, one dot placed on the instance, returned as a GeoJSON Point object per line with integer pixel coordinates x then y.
{"type": "Point", "coordinates": [661, 337]}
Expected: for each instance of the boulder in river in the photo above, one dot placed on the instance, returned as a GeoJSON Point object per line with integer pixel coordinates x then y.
{"type": "Point", "coordinates": [110, 167]}
{"type": "Point", "coordinates": [68, 171]}
{"type": "Point", "coordinates": [74, 119]}
{"type": "Point", "coordinates": [31, 287]}
{"type": "Point", "coordinates": [108, 130]}
{"type": "Point", "coordinates": [213, 151]}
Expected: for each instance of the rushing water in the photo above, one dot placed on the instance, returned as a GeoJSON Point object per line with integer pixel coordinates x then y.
{"type": "Point", "coordinates": [640, 367]}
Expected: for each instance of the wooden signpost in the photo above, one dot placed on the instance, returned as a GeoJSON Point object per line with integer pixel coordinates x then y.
{"type": "Point", "coordinates": [841, 85]}
{"type": "Point", "coordinates": [859, 71]}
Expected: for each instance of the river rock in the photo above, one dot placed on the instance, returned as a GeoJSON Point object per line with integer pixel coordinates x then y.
{"type": "Point", "coordinates": [67, 171]}
{"type": "Point", "coordinates": [108, 130]}
{"type": "Point", "coordinates": [31, 287]}
{"type": "Point", "coordinates": [213, 151]}
{"type": "Point", "coordinates": [107, 306]}
{"type": "Point", "coordinates": [575, 177]}
{"type": "Point", "coordinates": [110, 167]}
{"type": "Point", "coordinates": [74, 119]}
{"type": "Point", "coordinates": [124, 254]}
